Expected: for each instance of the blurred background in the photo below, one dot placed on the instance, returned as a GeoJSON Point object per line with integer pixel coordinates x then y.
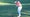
{"type": "Point", "coordinates": [9, 9]}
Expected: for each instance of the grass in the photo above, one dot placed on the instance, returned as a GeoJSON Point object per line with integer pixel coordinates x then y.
{"type": "Point", "coordinates": [9, 10]}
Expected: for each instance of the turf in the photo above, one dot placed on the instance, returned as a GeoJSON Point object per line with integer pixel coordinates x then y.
{"type": "Point", "coordinates": [9, 11]}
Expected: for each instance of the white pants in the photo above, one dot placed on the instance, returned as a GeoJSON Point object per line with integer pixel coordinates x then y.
{"type": "Point", "coordinates": [19, 10]}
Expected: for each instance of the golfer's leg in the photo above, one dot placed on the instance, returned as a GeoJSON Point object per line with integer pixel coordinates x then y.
{"type": "Point", "coordinates": [19, 11]}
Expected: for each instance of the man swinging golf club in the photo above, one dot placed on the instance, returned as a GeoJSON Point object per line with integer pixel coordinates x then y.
{"type": "Point", "coordinates": [19, 5]}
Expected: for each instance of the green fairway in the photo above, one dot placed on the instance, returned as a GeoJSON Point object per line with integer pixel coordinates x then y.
{"type": "Point", "coordinates": [8, 8]}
